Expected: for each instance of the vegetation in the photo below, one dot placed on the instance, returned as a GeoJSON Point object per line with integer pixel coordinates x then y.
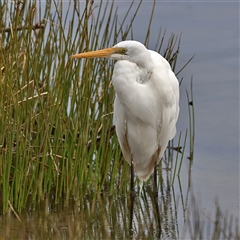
{"type": "Point", "coordinates": [58, 148]}
{"type": "Point", "coordinates": [56, 132]}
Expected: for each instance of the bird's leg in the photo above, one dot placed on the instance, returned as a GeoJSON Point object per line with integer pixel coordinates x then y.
{"type": "Point", "coordinates": [155, 159]}
{"type": "Point", "coordinates": [133, 194]}
{"type": "Point", "coordinates": [155, 197]}
{"type": "Point", "coordinates": [132, 200]}
{"type": "Point", "coordinates": [158, 216]}
{"type": "Point", "coordinates": [155, 188]}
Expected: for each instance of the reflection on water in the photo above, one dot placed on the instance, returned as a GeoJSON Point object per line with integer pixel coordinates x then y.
{"type": "Point", "coordinates": [144, 217]}
{"type": "Point", "coordinates": [106, 218]}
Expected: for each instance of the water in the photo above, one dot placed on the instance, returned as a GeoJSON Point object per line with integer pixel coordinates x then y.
{"type": "Point", "coordinates": [213, 32]}
{"type": "Point", "coordinates": [210, 30]}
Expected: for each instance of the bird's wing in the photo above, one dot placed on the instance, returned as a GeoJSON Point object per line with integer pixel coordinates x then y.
{"type": "Point", "coordinates": [145, 114]}
{"type": "Point", "coordinates": [168, 85]}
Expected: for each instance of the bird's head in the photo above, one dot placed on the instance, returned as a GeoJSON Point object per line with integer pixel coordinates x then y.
{"type": "Point", "coordinates": [132, 51]}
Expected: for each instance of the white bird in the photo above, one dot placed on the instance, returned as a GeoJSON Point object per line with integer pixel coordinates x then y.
{"type": "Point", "coordinates": [146, 105]}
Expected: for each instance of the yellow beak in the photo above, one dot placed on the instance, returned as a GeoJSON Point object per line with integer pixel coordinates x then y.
{"type": "Point", "coordinates": [107, 52]}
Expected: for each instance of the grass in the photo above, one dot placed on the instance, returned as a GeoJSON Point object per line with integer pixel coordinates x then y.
{"type": "Point", "coordinates": [56, 133]}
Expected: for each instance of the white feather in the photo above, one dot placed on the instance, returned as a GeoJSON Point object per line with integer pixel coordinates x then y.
{"type": "Point", "coordinates": [146, 105]}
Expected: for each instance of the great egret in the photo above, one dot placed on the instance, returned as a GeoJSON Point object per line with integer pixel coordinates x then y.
{"type": "Point", "coordinates": [146, 105]}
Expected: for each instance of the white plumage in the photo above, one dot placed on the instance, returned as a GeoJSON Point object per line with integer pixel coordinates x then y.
{"type": "Point", "coordinates": [146, 106]}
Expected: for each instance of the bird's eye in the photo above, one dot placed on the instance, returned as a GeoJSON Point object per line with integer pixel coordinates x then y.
{"type": "Point", "coordinates": [124, 51]}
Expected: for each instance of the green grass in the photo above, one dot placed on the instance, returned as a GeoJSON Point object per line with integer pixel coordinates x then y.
{"type": "Point", "coordinates": [56, 134]}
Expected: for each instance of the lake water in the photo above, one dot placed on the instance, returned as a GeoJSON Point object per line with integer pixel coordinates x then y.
{"type": "Point", "coordinates": [210, 30]}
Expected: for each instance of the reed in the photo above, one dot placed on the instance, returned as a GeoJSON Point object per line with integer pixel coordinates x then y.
{"type": "Point", "coordinates": [109, 218]}
{"type": "Point", "coordinates": [56, 133]}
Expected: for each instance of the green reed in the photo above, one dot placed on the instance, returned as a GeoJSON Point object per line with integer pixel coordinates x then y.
{"type": "Point", "coordinates": [56, 133]}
